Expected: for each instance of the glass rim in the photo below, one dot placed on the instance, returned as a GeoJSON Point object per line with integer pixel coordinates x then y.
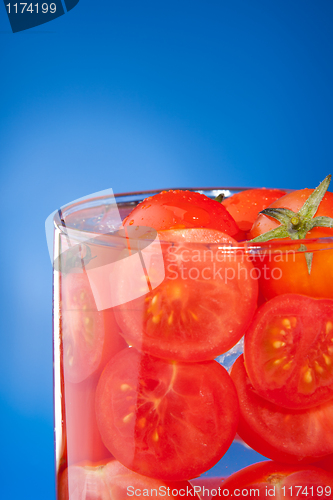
{"type": "Point", "coordinates": [273, 246]}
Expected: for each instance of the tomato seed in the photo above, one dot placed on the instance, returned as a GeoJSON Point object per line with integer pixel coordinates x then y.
{"type": "Point", "coordinates": [327, 359]}
{"type": "Point", "coordinates": [277, 344]}
{"type": "Point", "coordinates": [307, 377]}
{"type": "Point", "coordinates": [194, 316]}
{"type": "Point", "coordinates": [155, 436]}
{"type": "Point", "coordinates": [318, 368]}
{"type": "Point", "coordinates": [286, 323]}
{"type": "Point", "coordinates": [128, 417]}
{"type": "Point", "coordinates": [170, 318]}
{"type": "Point", "coordinates": [142, 422]}
{"type": "Point", "coordinates": [125, 387]}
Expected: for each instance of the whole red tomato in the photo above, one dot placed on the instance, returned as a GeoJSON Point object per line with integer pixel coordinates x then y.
{"type": "Point", "coordinates": [245, 205]}
{"type": "Point", "coordinates": [179, 209]}
{"type": "Point", "coordinates": [301, 215]}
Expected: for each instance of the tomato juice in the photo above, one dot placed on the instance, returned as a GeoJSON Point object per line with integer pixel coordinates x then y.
{"type": "Point", "coordinates": [149, 318]}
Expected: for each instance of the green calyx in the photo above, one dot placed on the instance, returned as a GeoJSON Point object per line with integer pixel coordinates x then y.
{"type": "Point", "coordinates": [296, 225]}
{"type": "Point", "coordinates": [219, 198]}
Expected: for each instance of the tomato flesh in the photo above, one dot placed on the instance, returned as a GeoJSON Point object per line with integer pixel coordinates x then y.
{"type": "Point", "coordinates": [90, 337]}
{"type": "Point", "coordinates": [178, 209]}
{"type": "Point", "coordinates": [279, 433]}
{"type": "Point", "coordinates": [288, 351]}
{"type": "Point", "coordinates": [195, 313]}
{"type": "Point", "coordinates": [166, 419]}
{"type": "Point", "coordinates": [245, 206]}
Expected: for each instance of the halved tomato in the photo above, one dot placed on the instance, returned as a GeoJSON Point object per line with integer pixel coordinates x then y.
{"type": "Point", "coordinates": [112, 481]}
{"type": "Point", "coordinates": [279, 481]}
{"type": "Point", "coordinates": [278, 433]}
{"type": "Point", "coordinates": [288, 351]}
{"type": "Point", "coordinates": [90, 337]}
{"type": "Point", "coordinates": [166, 419]}
{"type": "Point", "coordinates": [180, 209]}
{"type": "Point", "coordinates": [245, 206]}
{"type": "Point", "coordinates": [195, 313]}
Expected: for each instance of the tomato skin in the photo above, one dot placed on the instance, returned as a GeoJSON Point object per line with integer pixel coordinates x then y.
{"type": "Point", "coordinates": [288, 351]}
{"type": "Point", "coordinates": [291, 271]}
{"type": "Point", "coordinates": [111, 480]}
{"type": "Point", "coordinates": [294, 201]}
{"type": "Point", "coordinates": [194, 314]}
{"type": "Point", "coordinates": [166, 419]}
{"type": "Point", "coordinates": [90, 337]}
{"type": "Point", "coordinates": [278, 433]}
{"type": "Point", "coordinates": [245, 205]}
{"type": "Point", "coordinates": [279, 481]}
{"type": "Point", "coordinates": [178, 209]}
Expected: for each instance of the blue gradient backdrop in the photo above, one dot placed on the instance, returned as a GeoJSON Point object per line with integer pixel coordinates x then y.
{"type": "Point", "coordinates": [137, 95]}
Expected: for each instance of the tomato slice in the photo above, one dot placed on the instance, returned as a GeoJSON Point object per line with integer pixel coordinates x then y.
{"type": "Point", "coordinates": [113, 481]}
{"type": "Point", "coordinates": [195, 313]}
{"type": "Point", "coordinates": [90, 337]}
{"type": "Point", "coordinates": [166, 419]}
{"type": "Point", "coordinates": [279, 433]}
{"type": "Point", "coordinates": [288, 351]}
{"type": "Point", "coordinates": [245, 206]}
{"type": "Point", "coordinates": [180, 209]}
{"type": "Point", "coordinates": [279, 481]}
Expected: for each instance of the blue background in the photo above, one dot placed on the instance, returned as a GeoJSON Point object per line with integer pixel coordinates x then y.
{"type": "Point", "coordinates": [138, 95]}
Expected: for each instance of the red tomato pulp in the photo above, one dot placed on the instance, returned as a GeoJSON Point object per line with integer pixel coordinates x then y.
{"type": "Point", "coordinates": [288, 436]}
{"type": "Point", "coordinates": [288, 351]}
{"type": "Point", "coordinates": [166, 419]}
{"type": "Point", "coordinates": [195, 313]}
